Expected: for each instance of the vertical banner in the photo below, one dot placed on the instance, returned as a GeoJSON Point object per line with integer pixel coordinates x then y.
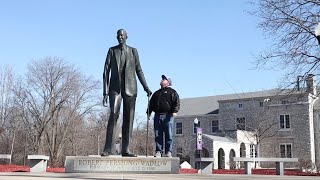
{"type": "Point", "coordinates": [199, 138]}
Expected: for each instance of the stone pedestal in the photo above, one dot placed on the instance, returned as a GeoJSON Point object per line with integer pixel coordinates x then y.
{"type": "Point", "coordinates": [279, 168]}
{"type": "Point", "coordinates": [119, 164]}
{"type": "Point", "coordinates": [205, 165]}
{"type": "Point", "coordinates": [38, 163]}
{"type": "Point", "coordinates": [7, 157]}
{"type": "Point", "coordinates": [247, 168]}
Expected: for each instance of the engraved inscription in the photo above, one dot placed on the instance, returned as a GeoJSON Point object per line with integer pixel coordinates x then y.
{"type": "Point", "coordinates": [122, 164]}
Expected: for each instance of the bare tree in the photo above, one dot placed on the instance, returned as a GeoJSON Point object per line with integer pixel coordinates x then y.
{"type": "Point", "coordinates": [264, 125]}
{"type": "Point", "coordinates": [290, 25]}
{"type": "Point", "coordinates": [86, 136]}
{"type": "Point", "coordinates": [56, 96]}
{"type": "Point", "coordinates": [7, 124]}
{"type": "Point", "coordinates": [257, 119]}
{"type": "Point", "coordinates": [6, 98]}
{"type": "Point", "coordinates": [96, 125]}
{"type": "Point", "coordinates": [11, 129]}
{"type": "Point", "coordinates": [140, 136]}
{"type": "Point", "coordinates": [184, 153]}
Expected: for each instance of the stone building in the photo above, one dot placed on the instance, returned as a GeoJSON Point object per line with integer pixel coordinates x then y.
{"type": "Point", "coordinates": [270, 123]}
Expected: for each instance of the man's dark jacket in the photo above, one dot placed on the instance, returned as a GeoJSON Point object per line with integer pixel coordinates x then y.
{"type": "Point", "coordinates": [165, 100]}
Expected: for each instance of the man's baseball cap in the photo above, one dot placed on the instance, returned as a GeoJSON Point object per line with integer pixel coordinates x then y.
{"type": "Point", "coordinates": [168, 79]}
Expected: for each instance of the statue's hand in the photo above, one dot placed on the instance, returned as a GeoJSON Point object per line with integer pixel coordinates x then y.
{"type": "Point", "coordinates": [105, 100]}
{"type": "Point", "coordinates": [174, 114]}
{"type": "Point", "coordinates": [148, 113]}
{"type": "Point", "coordinates": [149, 92]}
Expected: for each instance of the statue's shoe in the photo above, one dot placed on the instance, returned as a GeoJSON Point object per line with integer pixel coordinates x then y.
{"type": "Point", "coordinates": [105, 153]}
{"type": "Point", "coordinates": [128, 155]}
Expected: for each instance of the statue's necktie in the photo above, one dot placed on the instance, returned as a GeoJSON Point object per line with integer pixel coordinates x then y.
{"type": "Point", "coordinates": [122, 59]}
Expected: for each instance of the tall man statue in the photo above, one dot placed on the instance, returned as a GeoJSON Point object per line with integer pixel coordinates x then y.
{"type": "Point", "coordinates": [122, 63]}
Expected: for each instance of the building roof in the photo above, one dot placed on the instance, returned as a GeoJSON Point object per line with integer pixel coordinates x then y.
{"type": "Point", "coordinates": [210, 104]}
{"type": "Point", "coordinates": [219, 138]}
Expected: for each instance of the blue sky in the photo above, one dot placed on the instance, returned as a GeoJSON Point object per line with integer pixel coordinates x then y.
{"type": "Point", "coordinates": [206, 46]}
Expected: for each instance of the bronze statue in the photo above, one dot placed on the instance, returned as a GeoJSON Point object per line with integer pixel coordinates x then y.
{"type": "Point", "coordinates": [122, 63]}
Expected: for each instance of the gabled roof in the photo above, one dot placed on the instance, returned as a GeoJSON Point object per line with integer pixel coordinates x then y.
{"type": "Point", "coordinates": [210, 105]}
{"type": "Point", "coordinates": [220, 138]}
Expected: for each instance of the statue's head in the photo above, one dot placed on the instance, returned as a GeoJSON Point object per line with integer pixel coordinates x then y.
{"type": "Point", "coordinates": [122, 36]}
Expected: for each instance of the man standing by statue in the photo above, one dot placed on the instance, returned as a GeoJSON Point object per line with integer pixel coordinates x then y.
{"type": "Point", "coordinates": [122, 63]}
{"type": "Point", "coordinates": [165, 103]}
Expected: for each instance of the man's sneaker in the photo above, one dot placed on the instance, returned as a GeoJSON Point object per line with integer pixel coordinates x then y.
{"type": "Point", "coordinates": [158, 154]}
{"type": "Point", "coordinates": [169, 154]}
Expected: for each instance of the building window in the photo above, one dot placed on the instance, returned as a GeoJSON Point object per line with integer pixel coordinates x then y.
{"type": "Point", "coordinates": [253, 150]}
{"type": "Point", "coordinates": [284, 102]}
{"type": "Point", "coordinates": [284, 122]}
{"type": "Point", "coordinates": [195, 126]}
{"type": "Point", "coordinates": [241, 123]}
{"type": "Point", "coordinates": [261, 104]}
{"type": "Point", "coordinates": [198, 154]}
{"type": "Point", "coordinates": [240, 105]}
{"type": "Point", "coordinates": [214, 125]}
{"type": "Point", "coordinates": [179, 128]}
{"type": "Point", "coordinates": [286, 150]}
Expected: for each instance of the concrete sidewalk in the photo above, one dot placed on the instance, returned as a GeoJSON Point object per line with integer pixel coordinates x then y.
{"type": "Point", "coordinates": [100, 176]}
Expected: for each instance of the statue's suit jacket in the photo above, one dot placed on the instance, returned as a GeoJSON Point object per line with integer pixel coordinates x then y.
{"type": "Point", "coordinates": [115, 83]}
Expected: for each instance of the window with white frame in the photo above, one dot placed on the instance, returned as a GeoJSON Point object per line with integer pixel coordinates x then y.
{"type": "Point", "coordinates": [195, 126]}
{"type": "Point", "coordinates": [179, 128]}
{"type": "Point", "coordinates": [253, 150]}
{"type": "Point", "coordinates": [214, 125]}
{"type": "Point", "coordinates": [241, 123]}
{"type": "Point", "coordinates": [261, 104]}
{"type": "Point", "coordinates": [284, 121]}
{"type": "Point", "coordinates": [179, 150]}
{"type": "Point", "coordinates": [286, 150]}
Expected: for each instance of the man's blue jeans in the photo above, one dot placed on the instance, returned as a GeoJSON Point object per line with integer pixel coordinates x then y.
{"type": "Point", "coordinates": [163, 125]}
